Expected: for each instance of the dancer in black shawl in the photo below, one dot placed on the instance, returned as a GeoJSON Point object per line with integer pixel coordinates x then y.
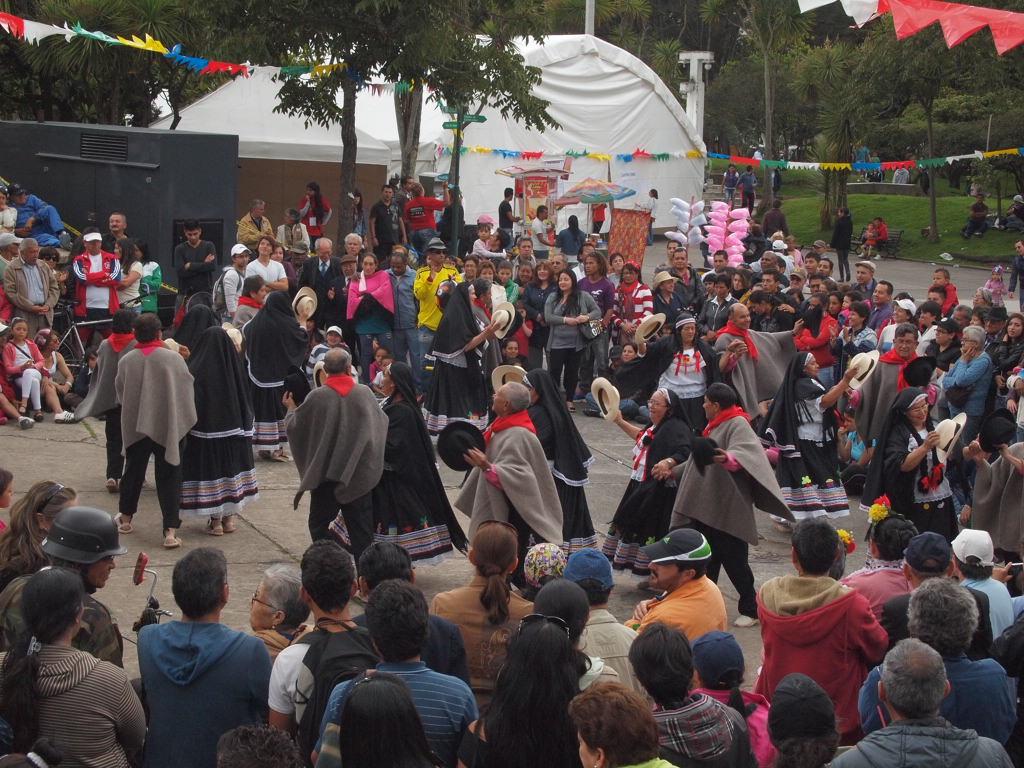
{"type": "Point", "coordinates": [906, 467]}
{"type": "Point", "coordinates": [274, 343]}
{"type": "Point", "coordinates": [195, 321]}
{"type": "Point", "coordinates": [645, 510]}
{"type": "Point", "coordinates": [218, 476]}
{"type": "Point", "coordinates": [410, 506]}
{"type": "Point", "coordinates": [457, 391]}
{"type": "Point", "coordinates": [802, 426]}
{"type": "Point", "coordinates": [567, 455]}
{"type": "Point", "coordinates": [682, 363]}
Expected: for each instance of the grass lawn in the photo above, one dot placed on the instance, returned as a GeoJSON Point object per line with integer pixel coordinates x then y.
{"type": "Point", "coordinates": [911, 215]}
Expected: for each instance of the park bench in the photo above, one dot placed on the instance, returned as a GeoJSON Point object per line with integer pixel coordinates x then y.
{"type": "Point", "coordinates": [892, 245]}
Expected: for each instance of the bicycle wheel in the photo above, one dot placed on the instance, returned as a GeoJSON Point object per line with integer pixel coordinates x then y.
{"type": "Point", "coordinates": [71, 349]}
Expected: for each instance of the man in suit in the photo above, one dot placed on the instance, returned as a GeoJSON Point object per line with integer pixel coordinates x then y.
{"type": "Point", "coordinates": [929, 556]}
{"type": "Point", "coordinates": [330, 276]}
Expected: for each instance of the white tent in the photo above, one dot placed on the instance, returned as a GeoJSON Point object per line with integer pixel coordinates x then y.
{"type": "Point", "coordinates": [606, 101]}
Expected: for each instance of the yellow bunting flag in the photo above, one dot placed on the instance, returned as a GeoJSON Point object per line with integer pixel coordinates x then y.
{"type": "Point", "coordinates": [149, 44]}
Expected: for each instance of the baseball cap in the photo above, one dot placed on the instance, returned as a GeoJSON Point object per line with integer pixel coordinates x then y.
{"type": "Point", "coordinates": [589, 564]}
{"type": "Point", "coordinates": [91, 237]}
{"type": "Point", "coordinates": [485, 219]}
{"type": "Point", "coordinates": [974, 543]}
{"type": "Point", "coordinates": [437, 244]}
{"type": "Point", "coordinates": [928, 552]}
{"type": "Point", "coordinates": [682, 545]}
{"type": "Point", "coordinates": [715, 654]}
{"type": "Point", "coordinates": [778, 245]}
{"type": "Point", "coordinates": [8, 238]}
{"type": "Point", "coordinates": [238, 248]}
{"type": "Point", "coordinates": [820, 244]}
{"type": "Point", "coordinates": [1018, 199]}
{"type": "Point", "coordinates": [908, 305]}
{"type": "Point", "coordinates": [335, 329]}
{"type": "Point", "coordinates": [16, 189]}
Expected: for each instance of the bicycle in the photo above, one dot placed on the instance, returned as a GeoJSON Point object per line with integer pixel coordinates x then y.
{"type": "Point", "coordinates": [67, 325]}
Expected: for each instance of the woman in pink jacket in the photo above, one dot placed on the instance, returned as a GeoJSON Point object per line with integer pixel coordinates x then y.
{"type": "Point", "coordinates": [24, 364]}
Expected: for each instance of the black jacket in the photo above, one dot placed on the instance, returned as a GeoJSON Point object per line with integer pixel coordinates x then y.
{"type": "Point", "coordinates": [328, 312]}
{"type": "Point", "coordinates": [894, 621]}
{"type": "Point", "coordinates": [842, 234]}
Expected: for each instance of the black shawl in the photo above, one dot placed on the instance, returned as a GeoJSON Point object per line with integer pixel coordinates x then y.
{"type": "Point", "coordinates": [792, 405]}
{"type": "Point", "coordinates": [642, 374]}
{"type": "Point", "coordinates": [458, 326]}
{"type": "Point", "coordinates": [884, 473]}
{"type": "Point", "coordinates": [274, 340]}
{"type": "Point", "coordinates": [221, 392]}
{"type": "Point", "coordinates": [812, 319]}
{"type": "Point", "coordinates": [195, 321]}
{"type": "Point", "coordinates": [673, 438]}
{"type": "Point", "coordinates": [409, 453]}
{"type": "Point", "coordinates": [557, 432]}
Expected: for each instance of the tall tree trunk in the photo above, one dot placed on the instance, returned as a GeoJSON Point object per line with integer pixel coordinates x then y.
{"type": "Point", "coordinates": [350, 147]}
{"type": "Point", "coordinates": [769, 113]}
{"type": "Point", "coordinates": [409, 112]}
{"type": "Point", "coordinates": [933, 216]}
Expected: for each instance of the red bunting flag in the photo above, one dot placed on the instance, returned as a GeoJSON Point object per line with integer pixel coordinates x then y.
{"type": "Point", "coordinates": [13, 24]}
{"type": "Point", "coordinates": [745, 161]}
{"type": "Point", "coordinates": [958, 21]}
{"type": "Point", "coordinates": [892, 166]}
{"type": "Point", "coordinates": [223, 66]}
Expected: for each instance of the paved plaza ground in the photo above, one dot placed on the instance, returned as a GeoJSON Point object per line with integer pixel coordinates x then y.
{"type": "Point", "coordinates": [271, 531]}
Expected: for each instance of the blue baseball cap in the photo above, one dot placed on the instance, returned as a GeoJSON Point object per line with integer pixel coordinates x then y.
{"type": "Point", "coordinates": [589, 564]}
{"type": "Point", "coordinates": [715, 654]}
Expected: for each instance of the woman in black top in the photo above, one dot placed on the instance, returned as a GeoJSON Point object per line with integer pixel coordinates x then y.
{"type": "Point", "coordinates": [841, 236]}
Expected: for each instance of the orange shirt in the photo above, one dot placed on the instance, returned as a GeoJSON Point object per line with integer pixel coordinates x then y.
{"type": "Point", "coordinates": [696, 608]}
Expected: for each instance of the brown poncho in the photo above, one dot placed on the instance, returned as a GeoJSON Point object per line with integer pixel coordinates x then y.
{"type": "Point", "coordinates": [102, 397]}
{"type": "Point", "coordinates": [759, 381]}
{"type": "Point", "coordinates": [999, 501]}
{"type": "Point", "coordinates": [876, 399]}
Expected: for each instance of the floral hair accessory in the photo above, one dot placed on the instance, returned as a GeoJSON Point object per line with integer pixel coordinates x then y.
{"type": "Point", "coordinates": [997, 269]}
{"type": "Point", "coordinates": [880, 510]}
{"type": "Point", "coordinates": [847, 539]}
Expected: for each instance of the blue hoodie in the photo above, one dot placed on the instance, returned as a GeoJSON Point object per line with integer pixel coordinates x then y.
{"type": "Point", "coordinates": [201, 680]}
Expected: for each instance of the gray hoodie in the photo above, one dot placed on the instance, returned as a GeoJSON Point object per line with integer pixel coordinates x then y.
{"type": "Point", "coordinates": [926, 743]}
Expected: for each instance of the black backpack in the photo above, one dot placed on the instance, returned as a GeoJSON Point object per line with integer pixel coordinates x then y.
{"type": "Point", "coordinates": [332, 658]}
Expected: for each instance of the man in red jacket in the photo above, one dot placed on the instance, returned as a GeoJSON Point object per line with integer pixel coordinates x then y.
{"type": "Point", "coordinates": [97, 276]}
{"type": "Point", "coordinates": [811, 623]}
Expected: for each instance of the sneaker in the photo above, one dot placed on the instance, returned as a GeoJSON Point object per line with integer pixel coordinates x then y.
{"type": "Point", "coordinates": [65, 240]}
{"type": "Point", "coordinates": [745, 621]}
{"type": "Point", "coordinates": [65, 417]}
{"type": "Point", "coordinates": [25, 422]}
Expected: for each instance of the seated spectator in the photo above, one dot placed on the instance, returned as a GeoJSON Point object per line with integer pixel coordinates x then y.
{"type": "Point", "coordinates": [944, 615]}
{"type": "Point", "coordinates": [485, 610]}
{"type": "Point", "coordinates": [21, 553]}
{"type": "Point", "coordinates": [542, 563]}
{"type": "Point", "coordinates": [973, 563]}
{"type": "Point", "coordinates": [882, 576]}
{"type": "Point", "coordinates": [615, 728]}
{"type": "Point", "coordinates": [50, 689]}
{"type": "Point", "coordinates": [689, 600]}
{"type": "Point", "coordinates": [802, 723]}
{"type": "Point", "coordinates": [37, 219]}
{"type": "Point", "coordinates": [811, 623]}
{"type": "Point", "coordinates": [257, 746]}
{"type": "Point", "coordinates": [977, 218]}
{"type": "Point", "coordinates": [337, 649]}
{"type": "Point", "coordinates": [567, 601]}
{"type": "Point", "coordinates": [397, 618]}
{"type": "Point", "coordinates": [929, 556]}
{"type": "Point", "coordinates": [912, 686]}
{"type": "Point", "coordinates": [718, 665]}
{"type": "Point", "coordinates": [201, 678]}
{"type": "Point", "coordinates": [277, 610]}
{"type": "Point", "coordinates": [663, 662]}
{"type": "Point", "coordinates": [60, 379]}
{"type": "Point", "coordinates": [444, 651]}
{"type": "Point", "coordinates": [527, 722]}
{"type": "Point", "coordinates": [604, 635]}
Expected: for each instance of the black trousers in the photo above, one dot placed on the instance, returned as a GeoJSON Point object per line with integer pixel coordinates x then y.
{"type": "Point", "coordinates": [564, 364]}
{"type": "Point", "coordinates": [358, 515]}
{"type": "Point", "coordinates": [112, 429]}
{"type": "Point", "coordinates": [731, 553]}
{"type": "Point", "coordinates": [168, 480]}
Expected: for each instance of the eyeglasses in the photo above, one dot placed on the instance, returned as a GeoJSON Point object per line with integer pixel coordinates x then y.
{"type": "Point", "coordinates": [533, 618]}
{"type": "Point", "coordinates": [253, 600]}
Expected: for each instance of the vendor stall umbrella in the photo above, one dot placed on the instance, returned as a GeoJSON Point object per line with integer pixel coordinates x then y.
{"type": "Point", "coordinates": [593, 192]}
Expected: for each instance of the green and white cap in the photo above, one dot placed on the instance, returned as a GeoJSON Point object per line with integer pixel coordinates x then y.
{"type": "Point", "coordinates": [681, 545]}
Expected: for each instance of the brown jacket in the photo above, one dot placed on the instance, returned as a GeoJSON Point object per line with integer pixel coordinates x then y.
{"type": "Point", "coordinates": [16, 286]}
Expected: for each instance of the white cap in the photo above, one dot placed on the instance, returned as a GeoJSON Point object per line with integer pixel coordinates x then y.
{"type": "Point", "coordinates": [1018, 198]}
{"type": "Point", "coordinates": [238, 248]}
{"type": "Point", "coordinates": [92, 237]}
{"type": "Point", "coordinates": [9, 238]}
{"type": "Point", "coordinates": [908, 305]}
{"type": "Point", "coordinates": [779, 245]}
{"type": "Point", "coordinates": [971, 542]}
{"type": "Point", "coordinates": [335, 329]}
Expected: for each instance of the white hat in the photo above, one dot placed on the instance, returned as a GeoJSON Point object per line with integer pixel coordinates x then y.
{"type": "Point", "coordinates": [9, 238]}
{"type": "Point", "coordinates": [335, 329]}
{"type": "Point", "coordinates": [503, 316]}
{"type": "Point", "coordinates": [305, 301]}
{"type": "Point", "coordinates": [778, 245]}
{"type": "Point", "coordinates": [238, 248]}
{"type": "Point", "coordinates": [907, 304]}
{"type": "Point", "coordinates": [972, 542]}
{"type": "Point", "coordinates": [864, 364]}
{"type": "Point", "coordinates": [607, 398]}
{"type": "Point", "coordinates": [503, 374]}
{"type": "Point", "coordinates": [649, 327]}
{"type": "Point", "coordinates": [949, 432]}
{"type": "Point", "coordinates": [1018, 198]}
{"type": "Point", "coordinates": [92, 237]}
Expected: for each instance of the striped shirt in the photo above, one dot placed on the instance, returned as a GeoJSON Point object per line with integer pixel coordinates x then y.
{"type": "Point", "coordinates": [445, 704]}
{"type": "Point", "coordinates": [643, 304]}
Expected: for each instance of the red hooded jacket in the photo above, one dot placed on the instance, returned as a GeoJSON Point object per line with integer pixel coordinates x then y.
{"type": "Point", "coordinates": [109, 277]}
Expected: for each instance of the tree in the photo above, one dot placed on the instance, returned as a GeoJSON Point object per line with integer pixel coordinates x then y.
{"type": "Point", "coordinates": [772, 26]}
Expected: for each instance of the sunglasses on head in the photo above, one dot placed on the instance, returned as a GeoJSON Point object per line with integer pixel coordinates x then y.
{"type": "Point", "coordinates": [533, 618]}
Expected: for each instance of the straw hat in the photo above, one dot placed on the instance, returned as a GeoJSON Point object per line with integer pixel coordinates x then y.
{"type": "Point", "coordinates": [949, 432]}
{"type": "Point", "coordinates": [503, 374]}
{"type": "Point", "coordinates": [172, 345]}
{"type": "Point", "coordinates": [660, 278]}
{"type": "Point", "coordinates": [503, 316]}
{"type": "Point", "coordinates": [319, 374]}
{"type": "Point", "coordinates": [607, 397]}
{"type": "Point", "coordinates": [498, 296]}
{"type": "Point", "coordinates": [304, 303]}
{"type": "Point", "coordinates": [650, 327]}
{"type": "Point", "coordinates": [864, 363]}
{"type": "Point", "coordinates": [234, 334]}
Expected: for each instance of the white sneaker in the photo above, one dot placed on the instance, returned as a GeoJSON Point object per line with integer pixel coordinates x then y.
{"type": "Point", "coordinates": [65, 417]}
{"type": "Point", "coordinates": [744, 621]}
{"type": "Point", "coordinates": [25, 422]}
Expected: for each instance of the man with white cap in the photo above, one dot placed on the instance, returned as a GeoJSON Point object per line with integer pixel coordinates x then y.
{"type": "Point", "coordinates": [1015, 215]}
{"type": "Point", "coordinates": [973, 565]}
{"type": "Point", "coordinates": [9, 245]}
{"type": "Point", "coordinates": [97, 276]}
{"type": "Point", "coordinates": [232, 280]}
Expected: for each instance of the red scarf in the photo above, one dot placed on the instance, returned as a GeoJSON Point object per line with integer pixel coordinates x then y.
{"type": "Point", "coordinates": [745, 335]}
{"type": "Point", "coordinates": [119, 341]}
{"type": "Point", "coordinates": [892, 357]}
{"type": "Point", "coordinates": [245, 301]}
{"type": "Point", "coordinates": [520, 419]}
{"type": "Point", "coordinates": [341, 383]}
{"type": "Point", "coordinates": [724, 415]}
{"type": "Point", "coordinates": [480, 303]}
{"type": "Point", "coordinates": [147, 347]}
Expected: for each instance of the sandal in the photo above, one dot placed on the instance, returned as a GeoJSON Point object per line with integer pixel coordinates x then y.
{"type": "Point", "coordinates": [280, 455]}
{"type": "Point", "coordinates": [171, 542]}
{"type": "Point", "coordinates": [38, 415]}
{"type": "Point", "coordinates": [214, 527]}
{"type": "Point", "coordinates": [111, 485]}
{"type": "Point", "coordinates": [124, 523]}
{"type": "Point", "coordinates": [227, 525]}
{"type": "Point", "coordinates": [571, 407]}
{"type": "Point", "coordinates": [265, 455]}
{"type": "Point", "coordinates": [22, 409]}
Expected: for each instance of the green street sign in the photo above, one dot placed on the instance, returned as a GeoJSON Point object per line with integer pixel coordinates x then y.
{"type": "Point", "coordinates": [450, 125]}
{"type": "Point", "coordinates": [475, 119]}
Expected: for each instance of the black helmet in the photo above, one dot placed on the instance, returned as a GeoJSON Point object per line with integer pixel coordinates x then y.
{"type": "Point", "coordinates": [83, 535]}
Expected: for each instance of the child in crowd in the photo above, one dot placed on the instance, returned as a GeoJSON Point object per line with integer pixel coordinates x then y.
{"type": "Point", "coordinates": [505, 281]}
{"type": "Point", "coordinates": [869, 247]}
{"type": "Point", "coordinates": [486, 246]}
{"type": "Point", "coordinates": [851, 454]}
{"type": "Point", "coordinates": [382, 360]}
{"type": "Point", "coordinates": [996, 286]}
{"type": "Point", "coordinates": [511, 355]}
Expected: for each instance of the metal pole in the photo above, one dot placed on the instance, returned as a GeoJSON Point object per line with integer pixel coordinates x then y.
{"type": "Point", "coordinates": [453, 181]}
{"type": "Point", "coordinates": [588, 22]}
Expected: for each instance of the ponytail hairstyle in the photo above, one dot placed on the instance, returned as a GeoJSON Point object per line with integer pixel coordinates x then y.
{"type": "Point", "coordinates": [731, 682]}
{"type": "Point", "coordinates": [494, 553]}
{"type": "Point", "coordinates": [51, 603]}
